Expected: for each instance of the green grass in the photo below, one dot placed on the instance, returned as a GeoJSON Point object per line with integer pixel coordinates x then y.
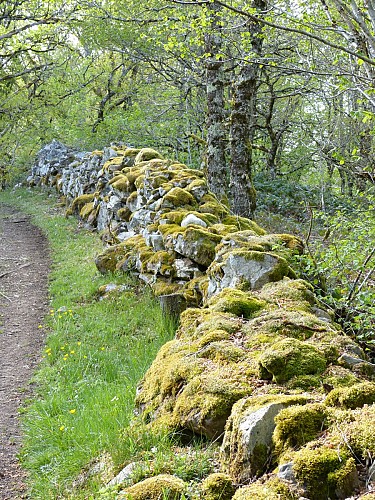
{"type": "Point", "coordinates": [96, 351]}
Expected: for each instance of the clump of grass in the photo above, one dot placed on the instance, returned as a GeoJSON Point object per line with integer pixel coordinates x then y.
{"type": "Point", "coordinates": [96, 351]}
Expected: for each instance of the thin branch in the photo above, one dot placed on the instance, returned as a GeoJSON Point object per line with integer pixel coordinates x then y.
{"type": "Point", "coordinates": [367, 259]}
{"type": "Point", "coordinates": [295, 30]}
{"type": "Point", "coordinates": [5, 296]}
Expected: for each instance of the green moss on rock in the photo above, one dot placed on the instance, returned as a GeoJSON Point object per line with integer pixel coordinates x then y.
{"type": "Point", "coordinates": [82, 200]}
{"type": "Point", "coordinates": [236, 302]}
{"type": "Point", "coordinates": [218, 486]}
{"type": "Point", "coordinates": [352, 397]}
{"type": "Point", "coordinates": [110, 258]}
{"type": "Point", "coordinates": [297, 425]}
{"type": "Point", "coordinates": [124, 214]}
{"type": "Point", "coordinates": [247, 443]}
{"type": "Point", "coordinates": [86, 210]}
{"type": "Point", "coordinates": [289, 358]}
{"type": "Point", "coordinates": [243, 224]}
{"type": "Point", "coordinates": [179, 197]}
{"type": "Point", "coordinates": [358, 432]}
{"type": "Point", "coordinates": [266, 489]}
{"type": "Point", "coordinates": [163, 486]}
{"type": "Point", "coordinates": [146, 154]}
{"type": "Point", "coordinates": [325, 472]}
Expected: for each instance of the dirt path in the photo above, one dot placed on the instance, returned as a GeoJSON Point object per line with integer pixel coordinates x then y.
{"type": "Point", "coordinates": [23, 304]}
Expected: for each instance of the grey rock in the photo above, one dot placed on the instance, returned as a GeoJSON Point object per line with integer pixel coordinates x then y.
{"type": "Point", "coordinates": [154, 240]}
{"type": "Point", "coordinates": [286, 472]}
{"type": "Point", "coordinates": [351, 362]}
{"type": "Point", "coordinates": [185, 268]}
{"type": "Point", "coordinates": [125, 235]}
{"type": "Point", "coordinates": [114, 203]}
{"type": "Point", "coordinates": [321, 314]}
{"type": "Point", "coordinates": [124, 475]}
{"type": "Point", "coordinates": [192, 219]}
{"type": "Point", "coordinates": [238, 269]}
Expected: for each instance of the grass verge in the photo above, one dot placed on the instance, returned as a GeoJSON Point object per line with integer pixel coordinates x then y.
{"type": "Point", "coordinates": [96, 351]}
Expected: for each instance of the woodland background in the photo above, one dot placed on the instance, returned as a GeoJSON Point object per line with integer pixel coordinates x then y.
{"type": "Point", "coordinates": [276, 94]}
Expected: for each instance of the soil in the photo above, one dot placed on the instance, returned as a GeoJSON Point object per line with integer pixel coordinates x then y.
{"type": "Point", "coordinates": [24, 266]}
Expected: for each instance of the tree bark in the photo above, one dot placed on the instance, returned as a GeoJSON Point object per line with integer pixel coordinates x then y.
{"type": "Point", "coordinates": [243, 120]}
{"type": "Point", "coordinates": [216, 135]}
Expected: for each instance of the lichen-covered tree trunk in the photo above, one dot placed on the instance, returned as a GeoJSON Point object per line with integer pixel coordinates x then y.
{"type": "Point", "coordinates": [216, 135]}
{"type": "Point", "coordinates": [243, 121]}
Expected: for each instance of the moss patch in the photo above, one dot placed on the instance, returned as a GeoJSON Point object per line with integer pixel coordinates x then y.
{"type": "Point", "coordinates": [218, 486]}
{"type": "Point", "coordinates": [236, 302]}
{"type": "Point", "coordinates": [289, 358]}
{"type": "Point", "coordinates": [179, 197]}
{"type": "Point", "coordinates": [154, 488]}
{"type": "Point", "coordinates": [297, 425]}
{"type": "Point", "coordinates": [324, 472]}
{"type": "Point", "coordinates": [266, 489]}
{"type": "Point", "coordinates": [352, 397]}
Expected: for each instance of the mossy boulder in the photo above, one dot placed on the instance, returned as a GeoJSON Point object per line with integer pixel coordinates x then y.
{"type": "Point", "coordinates": [196, 243]}
{"type": "Point", "coordinates": [266, 489]}
{"type": "Point", "coordinates": [289, 358]}
{"type": "Point", "coordinates": [297, 425]}
{"type": "Point", "coordinates": [247, 270]}
{"type": "Point", "coordinates": [178, 197]}
{"type": "Point", "coordinates": [325, 472]}
{"type": "Point", "coordinates": [352, 397]}
{"type": "Point", "coordinates": [243, 224]}
{"type": "Point", "coordinates": [163, 486]}
{"type": "Point", "coordinates": [108, 260]}
{"type": "Point", "coordinates": [247, 444]}
{"type": "Point", "coordinates": [82, 200]}
{"type": "Point", "coordinates": [356, 433]}
{"type": "Point", "coordinates": [217, 486]}
{"type": "Point", "coordinates": [236, 302]}
{"type": "Point", "coordinates": [146, 154]}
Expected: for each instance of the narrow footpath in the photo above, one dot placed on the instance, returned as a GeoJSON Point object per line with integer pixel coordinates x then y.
{"type": "Point", "coordinates": [24, 265]}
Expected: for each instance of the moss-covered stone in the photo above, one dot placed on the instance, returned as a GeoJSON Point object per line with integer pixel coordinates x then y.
{"type": "Point", "coordinates": [196, 243]}
{"type": "Point", "coordinates": [248, 270]}
{"type": "Point", "coordinates": [109, 259]}
{"type": "Point", "coordinates": [131, 152]}
{"type": "Point", "coordinates": [325, 472]}
{"type": "Point", "coordinates": [297, 425]}
{"type": "Point", "coordinates": [289, 358]}
{"type": "Point", "coordinates": [357, 432]}
{"type": "Point", "coordinates": [124, 214]}
{"type": "Point", "coordinates": [247, 443]}
{"type": "Point", "coordinates": [266, 489]}
{"type": "Point", "coordinates": [286, 323]}
{"type": "Point", "coordinates": [178, 197]}
{"type": "Point", "coordinates": [154, 488]}
{"type": "Point", "coordinates": [243, 224]}
{"type": "Point", "coordinates": [217, 486]}
{"type": "Point", "coordinates": [82, 200]}
{"type": "Point", "coordinates": [196, 323]}
{"type": "Point", "coordinates": [86, 210]}
{"type": "Point", "coordinates": [122, 184]}
{"type": "Point", "coordinates": [236, 302]}
{"type": "Point", "coordinates": [146, 154]}
{"type": "Point", "coordinates": [352, 397]}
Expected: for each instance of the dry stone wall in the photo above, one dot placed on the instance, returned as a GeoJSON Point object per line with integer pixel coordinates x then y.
{"type": "Point", "coordinates": [256, 363]}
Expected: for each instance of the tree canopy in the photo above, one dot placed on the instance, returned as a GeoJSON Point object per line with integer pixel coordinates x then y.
{"type": "Point", "coordinates": [277, 88]}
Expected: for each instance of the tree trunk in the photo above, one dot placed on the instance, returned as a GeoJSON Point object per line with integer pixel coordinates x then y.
{"type": "Point", "coordinates": [242, 131]}
{"type": "Point", "coordinates": [216, 135]}
{"type": "Point", "coordinates": [243, 120]}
